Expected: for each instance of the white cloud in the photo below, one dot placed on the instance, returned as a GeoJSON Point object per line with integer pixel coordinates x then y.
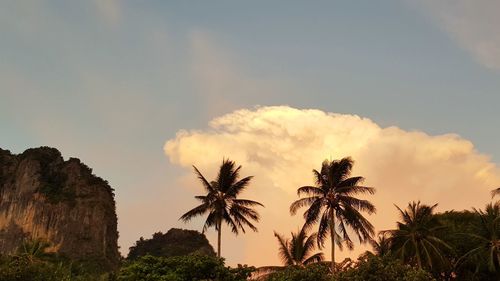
{"type": "Point", "coordinates": [281, 145]}
{"type": "Point", "coordinates": [474, 24]}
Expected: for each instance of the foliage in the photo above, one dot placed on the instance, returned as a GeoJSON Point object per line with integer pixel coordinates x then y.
{"type": "Point", "coordinates": [293, 252]}
{"type": "Point", "coordinates": [192, 267]}
{"type": "Point", "coordinates": [21, 268]}
{"type": "Point", "coordinates": [34, 251]}
{"type": "Point", "coordinates": [56, 194]}
{"type": "Point", "coordinates": [373, 268]}
{"type": "Point", "coordinates": [297, 251]}
{"type": "Point", "coordinates": [33, 262]}
{"type": "Point", "coordinates": [382, 245]}
{"type": "Point", "coordinates": [222, 203]}
{"type": "Point", "coordinates": [415, 240]}
{"type": "Point", "coordinates": [458, 233]}
{"type": "Point", "coordinates": [52, 178]}
{"type": "Point", "coordinates": [314, 272]}
{"type": "Point", "coordinates": [485, 252]}
{"type": "Point", "coordinates": [176, 242]}
{"type": "Point", "coordinates": [332, 203]}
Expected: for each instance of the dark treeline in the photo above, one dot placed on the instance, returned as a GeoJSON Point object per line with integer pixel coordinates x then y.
{"type": "Point", "coordinates": [455, 245]}
{"type": "Point", "coordinates": [424, 245]}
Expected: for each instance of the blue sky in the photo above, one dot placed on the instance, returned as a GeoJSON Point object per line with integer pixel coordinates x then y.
{"type": "Point", "coordinates": [111, 81]}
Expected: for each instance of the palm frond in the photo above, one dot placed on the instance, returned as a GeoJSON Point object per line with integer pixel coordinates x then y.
{"type": "Point", "coordinates": [236, 188]}
{"type": "Point", "coordinates": [197, 211]}
{"type": "Point", "coordinates": [284, 252]}
{"type": "Point", "coordinates": [310, 191]}
{"type": "Point", "coordinates": [324, 227]}
{"type": "Point", "coordinates": [247, 203]}
{"type": "Point", "coordinates": [203, 180]}
{"type": "Point", "coordinates": [210, 221]}
{"type": "Point", "coordinates": [226, 176]}
{"type": "Point", "coordinates": [358, 204]}
{"type": "Point", "coordinates": [352, 181]}
{"type": "Point", "coordinates": [308, 201]}
{"type": "Point", "coordinates": [318, 257]}
{"type": "Point", "coordinates": [355, 189]}
{"type": "Point", "coordinates": [495, 192]}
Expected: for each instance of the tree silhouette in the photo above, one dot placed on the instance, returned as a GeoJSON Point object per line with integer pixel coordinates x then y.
{"type": "Point", "coordinates": [416, 238]}
{"type": "Point", "coordinates": [382, 245]}
{"type": "Point", "coordinates": [296, 251]}
{"type": "Point", "coordinates": [332, 203]}
{"type": "Point", "coordinates": [221, 202]}
{"type": "Point", "coordinates": [488, 237]}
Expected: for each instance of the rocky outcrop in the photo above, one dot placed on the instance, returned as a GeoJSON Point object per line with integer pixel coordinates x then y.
{"type": "Point", "coordinates": [176, 242]}
{"type": "Point", "coordinates": [42, 196]}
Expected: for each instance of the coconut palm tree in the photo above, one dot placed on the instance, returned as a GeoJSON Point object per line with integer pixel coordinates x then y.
{"type": "Point", "coordinates": [488, 237]}
{"type": "Point", "coordinates": [296, 251]}
{"type": "Point", "coordinates": [293, 252]}
{"type": "Point", "coordinates": [333, 204]}
{"type": "Point", "coordinates": [222, 204]}
{"type": "Point", "coordinates": [416, 238]}
{"type": "Point", "coordinates": [382, 245]}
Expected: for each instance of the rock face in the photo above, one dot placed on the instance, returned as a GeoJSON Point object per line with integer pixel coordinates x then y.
{"type": "Point", "coordinates": [176, 242]}
{"type": "Point", "coordinates": [62, 202]}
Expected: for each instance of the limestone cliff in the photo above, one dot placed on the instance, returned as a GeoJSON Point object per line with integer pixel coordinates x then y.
{"type": "Point", "coordinates": [62, 202]}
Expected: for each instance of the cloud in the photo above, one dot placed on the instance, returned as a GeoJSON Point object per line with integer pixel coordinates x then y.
{"type": "Point", "coordinates": [473, 24]}
{"type": "Point", "coordinates": [220, 81]}
{"type": "Point", "coordinates": [281, 145]}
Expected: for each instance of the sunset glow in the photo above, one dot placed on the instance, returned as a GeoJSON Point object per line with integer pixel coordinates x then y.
{"type": "Point", "coordinates": [122, 124]}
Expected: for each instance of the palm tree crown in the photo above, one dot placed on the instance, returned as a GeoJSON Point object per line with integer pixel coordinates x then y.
{"type": "Point", "coordinates": [488, 237]}
{"type": "Point", "coordinates": [34, 250]}
{"type": "Point", "coordinates": [382, 245]}
{"type": "Point", "coordinates": [332, 203]}
{"type": "Point", "coordinates": [415, 240]}
{"type": "Point", "coordinates": [222, 204]}
{"type": "Point", "coordinates": [293, 252]}
{"type": "Point", "coordinates": [297, 251]}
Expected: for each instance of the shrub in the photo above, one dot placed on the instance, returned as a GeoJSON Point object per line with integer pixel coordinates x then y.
{"type": "Point", "coordinates": [314, 272]}
{"type": "Point", "coordinates": [181, 268]}
{"type": "Point", "coordinates": [373, 268]}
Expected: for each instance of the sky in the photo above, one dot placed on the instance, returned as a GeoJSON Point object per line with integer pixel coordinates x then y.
{"type": "Point", "coordinates": [140, 91]}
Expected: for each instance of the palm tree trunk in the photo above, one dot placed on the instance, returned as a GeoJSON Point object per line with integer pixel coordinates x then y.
{"type": "Point", "coordinates": [417, 252]}
{"type": "Point", "coordinates": [218, 236]}
{"type": "Point", "coordinates": [332, 236]}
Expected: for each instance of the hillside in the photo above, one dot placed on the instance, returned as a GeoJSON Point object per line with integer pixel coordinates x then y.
{"type": "Point", "coordinates": [42, 196]}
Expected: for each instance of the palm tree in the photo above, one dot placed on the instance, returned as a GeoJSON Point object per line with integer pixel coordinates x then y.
{"type": "Point", "coordinates": [332, 203]}
{"type": "Point", "coordinates": [34, 250]}
{"type": "Point", "coordinates": [293, 252]}
{"type": "Point", "coordinates": [488, 237]}
{"type": "Point", "coordinates": [382, 245]}
{"type": "Point", "coordinates": [416, 237]}
{"type": "Point", "coordinates": [221, 202]}
{"type": "Point", "coordinates": [297, 250]}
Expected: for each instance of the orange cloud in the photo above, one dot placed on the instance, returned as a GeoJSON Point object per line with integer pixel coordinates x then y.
{"type": "Point", "coordinates": [280, 146]}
